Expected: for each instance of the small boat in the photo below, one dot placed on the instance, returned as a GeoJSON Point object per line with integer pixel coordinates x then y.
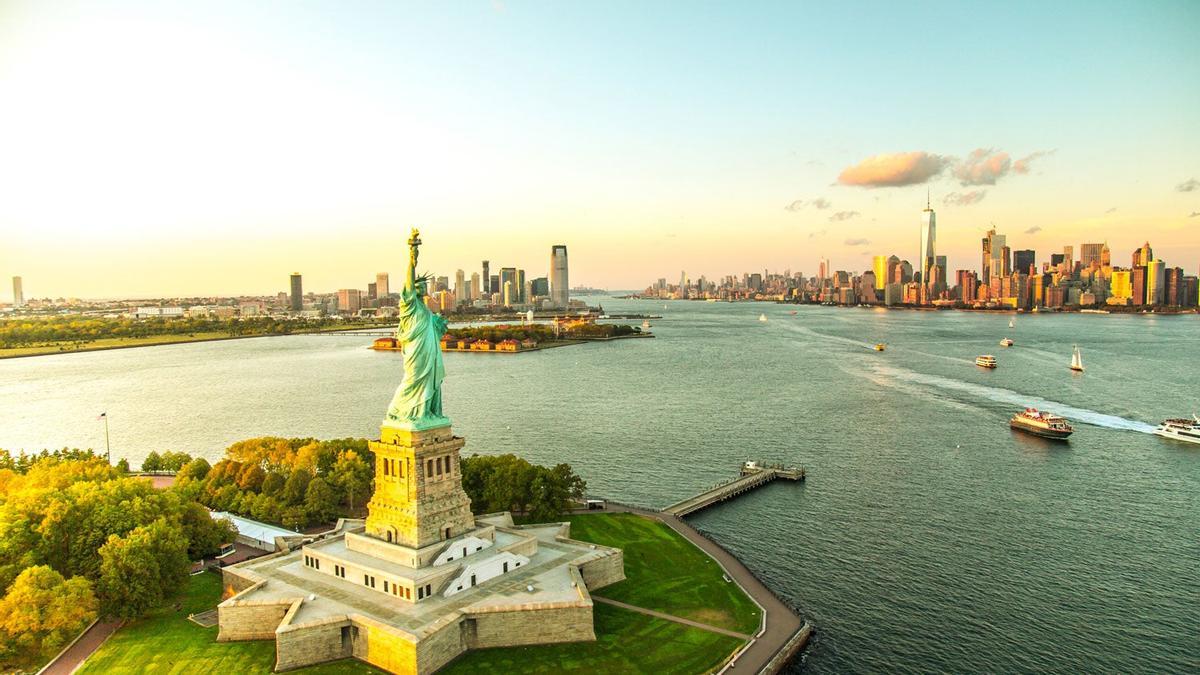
{"type": "Point", "coordinates": [1006, 342]}
{"type": "Point", "coordinates": [1187, 431]}
{"type": "Point", "coordinates": [880, 346]}
{"type": "Point", "coordinates": [793, 312]}
{"type": "Point", "coordinates": [1040, 423]}
{"type": "Point", "coordinates": [762, 318]}
{"type": "Point", "coordinates": [1077, 361]}
{"type": "Point", "coordinates": [646, 324]}
{"type": "Point", "coordinates": [1012, 323]}
{"type": "Point", "coordinates": [985, 361]}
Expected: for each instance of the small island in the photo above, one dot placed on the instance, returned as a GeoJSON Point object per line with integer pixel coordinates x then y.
{"type": "Point", "coordinates": [511, 339]}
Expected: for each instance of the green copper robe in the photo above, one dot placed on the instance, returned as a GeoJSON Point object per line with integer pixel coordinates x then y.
{"type": "Point", "coordinates": [418, 401]}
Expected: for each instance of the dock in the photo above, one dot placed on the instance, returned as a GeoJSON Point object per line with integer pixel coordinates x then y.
{"type": "Point", "coordinates": [753, 475]}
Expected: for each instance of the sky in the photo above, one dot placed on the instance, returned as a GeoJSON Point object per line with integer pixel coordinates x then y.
{"type": "Point", "coordinates": [169, 149]}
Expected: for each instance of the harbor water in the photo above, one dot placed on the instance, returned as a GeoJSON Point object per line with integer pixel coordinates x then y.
{"type": "Point", "coordinates": [929, 537]}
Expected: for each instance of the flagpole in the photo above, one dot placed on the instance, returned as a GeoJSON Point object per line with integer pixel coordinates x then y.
{"type": "Point", "coordinates": [107, 447]}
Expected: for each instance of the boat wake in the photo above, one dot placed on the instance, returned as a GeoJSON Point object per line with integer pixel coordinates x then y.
{"type": "Point", "coordinates": [1001, 395]}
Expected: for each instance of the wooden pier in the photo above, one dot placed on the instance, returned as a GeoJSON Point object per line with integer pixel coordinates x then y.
{"type": "Point", "coordinates": [753, 475]}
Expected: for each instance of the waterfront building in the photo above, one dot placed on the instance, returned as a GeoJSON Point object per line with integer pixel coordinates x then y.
{"type": "Point", "coordinates": [349, 300]}
{"type": "Point", "coordinates": [297, 292]}
{"type": "Point", "coordinates": [880, 268]}
{"type": "Point", "coordinates": [1138, 281]}
{"type": "Point", "coordinates": [1173, 286]}
{"type": "Point", "coordinates": [560, 289]}
{"type": "Point", "coordinates": [866, 289]}
{"type": "Point", "coordinates": [928, 256]}
{"type": "Point", "coordinates": [1121, 288]}
{"type": "Point", "coordinates": [893, 294]}
{"type": "Point", "coordinates": [18, 292]}
{"type": "Point", "coordinates": [1156, 283]}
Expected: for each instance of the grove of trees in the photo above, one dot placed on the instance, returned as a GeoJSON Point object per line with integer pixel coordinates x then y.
{"type": "Point", "coordinates": [78, 538]}
{"type": "Point", "coordinates": [510, 483]}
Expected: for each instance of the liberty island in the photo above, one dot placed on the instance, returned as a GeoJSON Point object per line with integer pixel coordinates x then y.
{"type": "Point", "coordinates": [420, 581]}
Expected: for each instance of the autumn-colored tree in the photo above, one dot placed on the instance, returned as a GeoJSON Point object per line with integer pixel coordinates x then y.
{"type": "Point", "coordinates": [42, 611]}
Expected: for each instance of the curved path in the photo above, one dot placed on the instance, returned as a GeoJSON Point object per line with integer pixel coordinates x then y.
{"type": "Point", "coordinates": [782, 624]}
{"type": "Point", "coordinates": [77, 652]}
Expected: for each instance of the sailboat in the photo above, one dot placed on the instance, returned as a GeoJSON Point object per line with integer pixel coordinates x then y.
{"type": "Point", "coordinates": [1012, 323]}
{"type": "Point", "coordinates": [762, 318]}
{"type": "Point", "coordinates": [1077, 361]}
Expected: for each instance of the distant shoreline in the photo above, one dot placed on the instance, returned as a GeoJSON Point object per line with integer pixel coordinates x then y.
{"type": "Point", "coordinates": [924, 308]}
{"type": "Point", "coordinates": [164, 340]}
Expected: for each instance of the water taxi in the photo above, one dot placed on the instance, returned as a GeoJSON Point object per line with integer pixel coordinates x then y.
{"type": "Point", "coordinates": [1006, 342]}
{"type": "Point", "coordinates": [985, 361]}
{"type": "Point", "coordinates": [880, 347]}
{"type": "Point", "coordinates": [1187, 431]}
{"type": "Point", "coordinates": [1077, 361]}
{"type": "Point", "coordinates": [1040, 423]}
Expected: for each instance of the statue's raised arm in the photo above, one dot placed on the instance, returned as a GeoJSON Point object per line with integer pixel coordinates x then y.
{"type": "Point", "coordinates": [414, 242]}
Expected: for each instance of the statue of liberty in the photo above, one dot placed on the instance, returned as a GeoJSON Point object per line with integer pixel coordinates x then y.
{"type": "Point", "coordinates": [417, 404]}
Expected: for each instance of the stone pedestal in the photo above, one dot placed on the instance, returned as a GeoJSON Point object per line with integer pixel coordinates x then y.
{"type": "Point", "coordinates": [419, 500]}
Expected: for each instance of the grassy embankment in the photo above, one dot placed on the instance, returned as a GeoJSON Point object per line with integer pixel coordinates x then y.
{"type": "Point", "coordinates": [101, 344]}
{"type": "Point", "coordinates": [664, 573]}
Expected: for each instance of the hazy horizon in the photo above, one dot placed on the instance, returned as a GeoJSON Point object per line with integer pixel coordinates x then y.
{"type": "Point", "coordinates": [195, 150]}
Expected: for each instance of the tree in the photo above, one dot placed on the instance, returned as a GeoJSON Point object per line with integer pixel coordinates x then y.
{"type": "Point", "coordinates": [273, 483]}
{"type": "Point", "coordinates": [42, 611]}
{"type": "Point", "coordinates": [138, 571]}
{"type": "Point", "coordinates": [321, 501]}
{"type": "Point", "coordinates": [197, 469]}
{"type": "Point", "coordinates": [251, 478]}
{"type": "Point", "coordinates": [123, 465]}
{"type": "Point", "coordinates": [296, 486]}
{"type": "Point", "coordinates": [174, 461]}
{"type": "Point", "coordinates": [205, 535]}
{"type": "Point", "coordinates": [295, 517]}
{"type": "Point", "coordinates": [153, 462]}
{"type": "Point", "coordinates": [353, 475]}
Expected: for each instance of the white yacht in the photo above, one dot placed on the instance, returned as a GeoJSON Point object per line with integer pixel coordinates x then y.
{"type": "Point", "coordinates": [1006, 342]}
{"type": "Point", "coordinates": [1187, 431]}
{"type": "Point", "coordinates": [1077, 361]}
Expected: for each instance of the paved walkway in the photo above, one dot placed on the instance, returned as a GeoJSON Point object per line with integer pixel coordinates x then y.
{"type": "Point", "coordinates": [782, 622]}
{"type": "Point", "coordinates": [670, 617]}
{"type": "Point", "coordinates": [72, 658]}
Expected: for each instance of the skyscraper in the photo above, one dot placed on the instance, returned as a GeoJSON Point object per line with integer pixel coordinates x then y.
{"type": "Point", "coordinates": [461, 292]}
{"type": "Point", "coordinates": [297, 296]}
{"type": "Point", "coordinates": [18, 292]}
{"type": "Point", "coordinates": [475, 290]}
{"type": "Point", "coordinates": [560, 291]}
{"type": "Point", "coordinates": [995, 262]}
{"type": "Point", "coordinates": [880, 268]}
{"type": "Point", "coordinates": [521, 296]}
{"type": "Point", "coordinates": [381, 285]}
{"type": "Point", "coordinates": [1156, 283]}
{"type": "Point", "coordinates": [508, 284]}
{"type": "Point", "coordinates": [1023, 260]}
{"type": "Point", "coordinates": [928, 243]}
{"type": "Point", "coordinates": [349, 300]}
{"type": "Point", "coordinates": [1090, 255]}
{"type": "Point", "coordinates": [1142, 256]}
{"type": "Point", "coordinates": [486, 280]}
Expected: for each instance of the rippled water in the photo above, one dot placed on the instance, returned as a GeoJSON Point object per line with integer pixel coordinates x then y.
{"type": "Point", "coordinates": [928, 537]}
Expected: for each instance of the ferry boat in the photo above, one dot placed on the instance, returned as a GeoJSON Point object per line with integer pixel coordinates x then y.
{"type": "Point", "coordinates": [1006, 342]}
{"type": "Point", "coordinates": [1077, 361]}
{"type": "Point", "coordinates": [1043, 424]}
{"type": "Point", "coordinates": [880, 347]}
{"type": "Point", "coordinates": [985, 361]}
{"type": "Point", "coordinates": [1187, 431]}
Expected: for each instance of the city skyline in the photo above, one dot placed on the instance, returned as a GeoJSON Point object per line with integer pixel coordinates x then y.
{"type": "Point", "coordinates": [642, 156]}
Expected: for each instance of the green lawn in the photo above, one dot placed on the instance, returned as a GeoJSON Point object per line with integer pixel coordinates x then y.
{"type": "Point", "coordinates": [626, 642]}
{"type": "Point", "coordinates": [665, 572]}
{"type": "Point", "coordinates": [166, 642]}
